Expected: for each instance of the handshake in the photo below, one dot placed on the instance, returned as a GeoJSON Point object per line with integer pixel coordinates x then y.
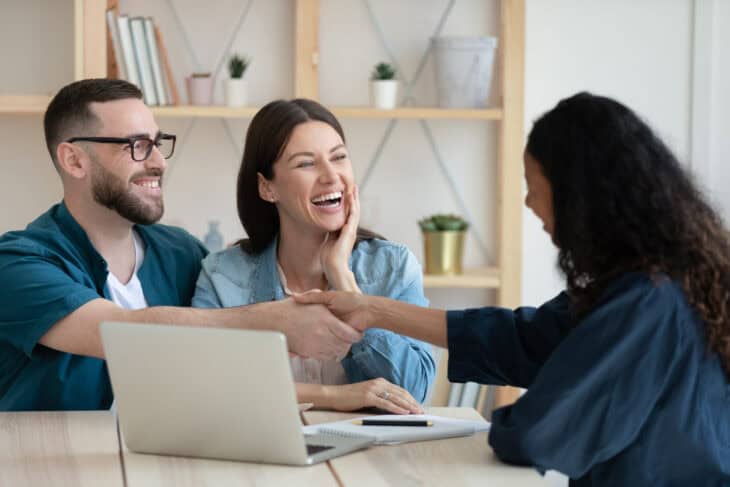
{"type": "Point", "coordinates": [324, 325]}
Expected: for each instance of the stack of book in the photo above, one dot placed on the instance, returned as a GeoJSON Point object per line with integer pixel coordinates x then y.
{"type": "Point", "coordinates": [141, 57]}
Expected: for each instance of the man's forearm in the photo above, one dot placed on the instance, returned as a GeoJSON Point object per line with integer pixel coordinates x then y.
{"type": "Point", "coordinates": [78, 333]}
{"type": "Point", "coordinates": [261, 316]}
{"type": "Point", "coordinates": [426, 324]}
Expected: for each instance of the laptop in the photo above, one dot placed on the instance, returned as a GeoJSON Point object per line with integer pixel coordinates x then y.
{"type": "Point", "coordinates": [211, 393]}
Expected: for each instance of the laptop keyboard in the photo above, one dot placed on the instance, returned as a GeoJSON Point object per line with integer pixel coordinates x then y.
{"type": "Point", "coordinates": [312, 449]}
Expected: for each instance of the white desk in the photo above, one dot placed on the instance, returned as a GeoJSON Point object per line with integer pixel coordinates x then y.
{"type": "Point", "coordinates": [83, 449]}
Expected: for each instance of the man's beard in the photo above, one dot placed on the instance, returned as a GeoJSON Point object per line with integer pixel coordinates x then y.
{"type": "Point", "coordinates": [110, 191]}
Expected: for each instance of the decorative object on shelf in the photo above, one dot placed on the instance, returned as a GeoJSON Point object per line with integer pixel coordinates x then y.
{"type": "Point", "coordinates": [443, 243]}
{"type": "Point", "coordinates": [213, 240]}
{"type": "Point", "coordinates": [200, 88]}
{"type": "Point", "coordinates": [234, 88]}
{"type": "Point", "coordinates": [463, 69]}
{"type": "Point", "coordinates": [383, 86]}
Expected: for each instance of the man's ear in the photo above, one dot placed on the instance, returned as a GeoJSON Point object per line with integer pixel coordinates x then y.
{"type": "Point", "coordinates": [266, 191]}
{"type": "Point", "coordinates": [72, 160]}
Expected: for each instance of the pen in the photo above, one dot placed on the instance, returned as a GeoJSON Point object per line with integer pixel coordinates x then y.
{"type": "Point", "coordinates": [396, 422]}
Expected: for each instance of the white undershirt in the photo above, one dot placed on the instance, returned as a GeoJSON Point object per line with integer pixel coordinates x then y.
{"type": "Point", "coordinates": [129, 295]}
{"type": "Point", "coordinates": [310, 370]}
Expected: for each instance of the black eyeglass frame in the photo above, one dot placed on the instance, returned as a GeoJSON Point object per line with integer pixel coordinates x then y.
{"type": "Point", "coordinates": [130, 141]}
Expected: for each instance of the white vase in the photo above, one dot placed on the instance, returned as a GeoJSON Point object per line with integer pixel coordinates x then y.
{"type": "Point", "coordinates": [235, 92]}
{"type": "Point", "coordinates": [384, 93]}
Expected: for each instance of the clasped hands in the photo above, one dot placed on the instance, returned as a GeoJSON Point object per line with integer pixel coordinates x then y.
{"type": "Point", "coordinates": [327, 323]}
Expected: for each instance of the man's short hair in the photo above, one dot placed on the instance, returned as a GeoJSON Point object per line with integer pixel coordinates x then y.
{"type": "Point", "coordinates": [69, 114]}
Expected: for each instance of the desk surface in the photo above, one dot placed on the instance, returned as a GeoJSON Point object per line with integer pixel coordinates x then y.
{"type": "Point", "coordinates": [83, 448]}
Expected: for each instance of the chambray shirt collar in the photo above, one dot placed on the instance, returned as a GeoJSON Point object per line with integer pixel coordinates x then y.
{"type": "Point", "coordinates": [268, 285]}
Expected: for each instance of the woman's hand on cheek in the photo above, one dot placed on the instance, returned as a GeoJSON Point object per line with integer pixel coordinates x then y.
{"type": "Point", "coordinates": [337, 248]}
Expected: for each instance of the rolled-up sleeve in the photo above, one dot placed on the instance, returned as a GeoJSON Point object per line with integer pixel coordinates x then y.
{"type": "Point", "coordinates": [37, 293]}
{"type": "Point", "coordinates": [399, 359]}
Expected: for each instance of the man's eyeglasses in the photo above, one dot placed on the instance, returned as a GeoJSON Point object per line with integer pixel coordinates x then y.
{"type": "Point", "coordinates": [139, 146]}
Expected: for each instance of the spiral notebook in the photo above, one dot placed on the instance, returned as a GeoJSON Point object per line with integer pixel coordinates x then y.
{"type": "Point", "coordinates": [390, 435]}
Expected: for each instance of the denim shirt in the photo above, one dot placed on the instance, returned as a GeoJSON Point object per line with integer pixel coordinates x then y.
{"type": "Point", "coordinates": [232, 277]}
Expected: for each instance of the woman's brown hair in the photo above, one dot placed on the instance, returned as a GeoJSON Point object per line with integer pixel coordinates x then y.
{"type": "Point", "coordinates": [267, 136]}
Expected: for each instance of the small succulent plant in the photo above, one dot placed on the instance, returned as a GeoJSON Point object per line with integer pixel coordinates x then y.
{"type": "Point", "coordinates": [383, 71]}
{"type": "Point", "coordinates": [237, 65]}
{"type": "Point", "coordinates": [442, 223]}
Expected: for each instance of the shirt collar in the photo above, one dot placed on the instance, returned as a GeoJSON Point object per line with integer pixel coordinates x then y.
{"type": "Point", "coordinates": [268, 285]}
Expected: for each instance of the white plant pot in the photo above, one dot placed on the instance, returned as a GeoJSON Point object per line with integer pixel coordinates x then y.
{"type": "Point", "coordinates": [384, 93]}
{"type": "Point", "coordinates": [235, 92]}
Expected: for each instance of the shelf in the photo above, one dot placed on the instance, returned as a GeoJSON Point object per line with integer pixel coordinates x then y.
{"type": "Point", "coordinates": [36, 104]}
{"type": "Point", "coordinates": [213, 111]}
{"type": "Point", "coordinates": [477, 278]}
{"type": "Point", "coordinates": [342, 112]}
{"type": "Point", "coordinates": [23, 104]}
{"type": "Point", "coordinates": [420, 113]}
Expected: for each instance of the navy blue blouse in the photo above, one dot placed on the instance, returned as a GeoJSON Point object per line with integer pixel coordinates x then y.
{"type": "Point", "coordinates": [630, 396]}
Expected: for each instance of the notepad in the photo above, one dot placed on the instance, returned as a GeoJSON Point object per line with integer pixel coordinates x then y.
{"type": "Point", "coordinates": [390, 435]}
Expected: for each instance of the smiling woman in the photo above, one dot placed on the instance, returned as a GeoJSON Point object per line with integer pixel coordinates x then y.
{"type": "Point", "coordinates": [298, 203]}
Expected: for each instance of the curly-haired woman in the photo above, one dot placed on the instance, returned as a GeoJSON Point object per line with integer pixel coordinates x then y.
{"type": "Point", "coordinates": [627, 371]}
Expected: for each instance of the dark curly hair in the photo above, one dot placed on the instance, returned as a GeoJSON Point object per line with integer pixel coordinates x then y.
{"type": "Point", "coordinates": [622, 202]}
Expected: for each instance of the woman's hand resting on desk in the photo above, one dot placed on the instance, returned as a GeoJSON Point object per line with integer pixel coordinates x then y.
{"type": "Point", "coordinates": [377, 393]}
{"type": "Point", "coordinates": [337, 248]}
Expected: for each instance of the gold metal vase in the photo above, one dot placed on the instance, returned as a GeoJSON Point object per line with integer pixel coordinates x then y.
{"type": "Point", "coordinates": [443, 251]}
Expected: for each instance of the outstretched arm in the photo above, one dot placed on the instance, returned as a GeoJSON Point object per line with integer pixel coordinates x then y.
{"type": "Point", "coordinates": [363, 312]}
{"type": "Point", "coordinates": [310, 332]}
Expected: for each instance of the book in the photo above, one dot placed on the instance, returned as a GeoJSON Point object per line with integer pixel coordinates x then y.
{"type": "Point", "coordinates": [125, 40]}
{"type": "Point", "coordinates": [139, 42]}
{"type": "Point", "coordinates": [170, 87]}
{"type": "Point", "coordinates": [154, 57]}
{"type": "Point", "coordinates": [391, 435]}
{"type": "Point", "coordinates": [116, 69]}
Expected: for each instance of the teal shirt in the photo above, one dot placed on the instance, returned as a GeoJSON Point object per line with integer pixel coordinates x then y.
{"type": "Point", "coordinates": [48, 271]}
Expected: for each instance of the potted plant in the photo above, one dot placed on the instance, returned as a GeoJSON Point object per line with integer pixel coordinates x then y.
{"type": "Point", "coordinates": [200, 88]}
{"type": "Point", "coordinates": [383, 86]}
{"type": "Point", "coordinates": [235, 87]}
{"type": "Point", "coordinates": [443, 243]}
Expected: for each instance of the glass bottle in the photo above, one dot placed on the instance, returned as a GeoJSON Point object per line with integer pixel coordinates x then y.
{"type": "Point", "coordinates": [213, 240]}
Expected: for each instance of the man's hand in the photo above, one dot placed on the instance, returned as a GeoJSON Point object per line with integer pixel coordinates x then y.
{"type": "Point", "coordinates": [314, 332]}
{"type": "Point", "coordinates": [349, 307]}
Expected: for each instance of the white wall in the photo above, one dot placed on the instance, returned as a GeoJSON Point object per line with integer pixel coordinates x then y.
{"type": "Point", "coordinates": [36, 54]}
{"type": "Point", "coordinates": [719, 151]}
{"type": "Point", "coordinates": [638, 52]}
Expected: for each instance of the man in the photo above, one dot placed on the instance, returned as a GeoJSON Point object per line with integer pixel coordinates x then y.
{"type": "Point", "coordinates": [99, 255]}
